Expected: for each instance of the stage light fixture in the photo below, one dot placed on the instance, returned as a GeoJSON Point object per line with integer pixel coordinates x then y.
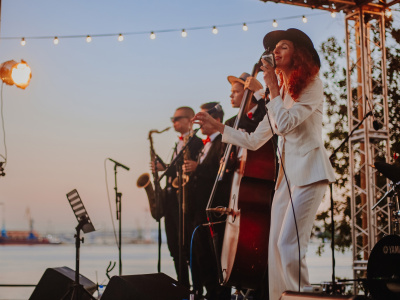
{"type": "Point", "coordinates": [245, 28]}
{"type": "Point", "coordinates": [19, 74]}
{"type": "Point", "coordinates": [275, 24]}
{"type": "Point", "coordinates": [184, 33]}
{"type": "Point", "coordinates": [214, 30]}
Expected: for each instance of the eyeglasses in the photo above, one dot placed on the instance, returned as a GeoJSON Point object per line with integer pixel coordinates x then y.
{"type": "Point", "coordinates": [175, 119]}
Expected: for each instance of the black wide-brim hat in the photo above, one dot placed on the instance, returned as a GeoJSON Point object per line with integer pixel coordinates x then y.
{"type": "Point", "coordinates": [296, 36]}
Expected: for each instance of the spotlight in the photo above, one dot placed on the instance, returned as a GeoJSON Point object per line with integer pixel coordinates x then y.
{"type": "Point", "coordinates": [19, 74]}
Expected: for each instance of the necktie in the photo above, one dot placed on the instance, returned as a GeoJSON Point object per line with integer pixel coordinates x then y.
{"type": "Point", "coordinates": [250, 115]}
{"type": "Point", "coordinates": [206, 140]}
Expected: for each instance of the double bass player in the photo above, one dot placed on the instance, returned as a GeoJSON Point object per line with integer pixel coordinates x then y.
{"type": "Point", "coordinates": [295, 114]}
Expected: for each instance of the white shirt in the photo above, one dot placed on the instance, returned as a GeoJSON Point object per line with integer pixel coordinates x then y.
{"type": "Point", "coordinates": [207, 147]}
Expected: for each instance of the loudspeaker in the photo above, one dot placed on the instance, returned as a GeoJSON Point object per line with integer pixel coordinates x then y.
{"type": "Point", "coordinates": [56, 282]}
{"type": "Point", "coordinates": [145, 287]}
{"type": "Point", "coordinates": [314, 296]}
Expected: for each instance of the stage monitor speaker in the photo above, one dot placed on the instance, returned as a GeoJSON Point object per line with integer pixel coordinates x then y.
{"type": "Point", "coordinates": [315, 296]}
{"type": "Point", "coordinates": [56, 282]}
{"type": "Point", "coordinates": [145, 287]}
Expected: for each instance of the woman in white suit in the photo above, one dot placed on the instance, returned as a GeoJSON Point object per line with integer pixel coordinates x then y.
{"type": "Point", "coordinates": [295, 113]}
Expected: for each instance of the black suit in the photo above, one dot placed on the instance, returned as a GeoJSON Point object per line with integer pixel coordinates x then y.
{"type": "Point", "coordinates": [204, 268]}
{"type": "Point", "coordinates": [171, 209]}
{"type": "Point", "coordinates": [248, 124]}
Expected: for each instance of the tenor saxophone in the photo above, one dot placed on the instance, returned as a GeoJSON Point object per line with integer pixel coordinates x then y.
{"type": "Point", "coordinates": [153, 194]}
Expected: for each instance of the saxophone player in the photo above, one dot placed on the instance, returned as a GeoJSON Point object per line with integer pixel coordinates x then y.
{"type": "Point", "coordinates": [183, 126]}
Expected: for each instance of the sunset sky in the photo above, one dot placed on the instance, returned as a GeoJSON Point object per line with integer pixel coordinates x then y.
{"type": "Point", "coordinates": [90, 101]}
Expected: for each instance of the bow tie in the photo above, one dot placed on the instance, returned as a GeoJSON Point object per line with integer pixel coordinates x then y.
{"type": "Point", "coordinates": [206, 140]}
{"type": "Point", "coordinates": [181, 137]}
{"type": "Point", "coordinates": [250, 115]}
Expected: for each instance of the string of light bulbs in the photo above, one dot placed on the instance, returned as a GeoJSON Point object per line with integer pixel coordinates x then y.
{"type": "Point", "coordinates": [152, 34]}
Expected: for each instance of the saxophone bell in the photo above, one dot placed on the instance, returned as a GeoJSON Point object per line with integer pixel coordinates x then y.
{"type": "Point", "coordinates": [144, 182]}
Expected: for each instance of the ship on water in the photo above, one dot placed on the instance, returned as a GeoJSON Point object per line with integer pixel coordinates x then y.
{"type": "Point", "coordinates": [23, 237]}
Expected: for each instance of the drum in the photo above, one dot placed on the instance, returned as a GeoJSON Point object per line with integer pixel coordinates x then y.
{"type": "Point", "coordinates": [383, 270]}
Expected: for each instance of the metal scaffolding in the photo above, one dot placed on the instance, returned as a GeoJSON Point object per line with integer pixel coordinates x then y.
{"type": "Point", "coordinates": [366, 91]}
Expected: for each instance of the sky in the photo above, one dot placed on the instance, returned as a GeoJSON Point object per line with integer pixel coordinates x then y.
{"type": "Point", "coordinates": [90, 101]}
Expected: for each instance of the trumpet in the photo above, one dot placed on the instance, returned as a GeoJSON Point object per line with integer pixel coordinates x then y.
{"type": "Point", "coordinates": [153, 194]}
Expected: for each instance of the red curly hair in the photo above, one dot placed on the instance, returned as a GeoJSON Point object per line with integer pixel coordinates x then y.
{"type": "Point", "coordinates": [304, 69]}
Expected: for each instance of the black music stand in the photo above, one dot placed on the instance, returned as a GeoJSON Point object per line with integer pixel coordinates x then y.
{"type": "Point", "coordinates": [76, 290]}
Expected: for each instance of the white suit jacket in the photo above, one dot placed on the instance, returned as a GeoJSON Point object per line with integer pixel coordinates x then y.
{"type": "Point", "coordinates": [299, 125]}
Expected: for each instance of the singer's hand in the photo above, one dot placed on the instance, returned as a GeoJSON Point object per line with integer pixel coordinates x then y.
{"type": "Point", "coordinates": [252, 84]}
{"type": "Point", "coordinates": [270, 79]}
{"type": "Point", "coordinates": [208, 122]}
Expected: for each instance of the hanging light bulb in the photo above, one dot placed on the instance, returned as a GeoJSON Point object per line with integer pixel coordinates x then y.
{"type": "Point", "coordinates": [88, 39]}
{"type": "Point", "coordinates": [23, 42]}
{"type": "Point", "coordinates": [184, 33]}
{"type": "Point", "coordinates": [388, 13]}
{"type": "Point", "coordinates": [245, 28]}
{"type": "Point", "coordinates": [275, 24]}
{"type": "Point", "coordinates": [55, 41]}
{"type": "Point", "coordinates": [333, 14]}
{"type": "Point", "coordinates": [304, 19]}
{"type": "Point", "coordinates": [214, 30]}
{"type": "Point", "coordinates": [120, 37]}
{"type": "Point", "coordinates": [152, 35]}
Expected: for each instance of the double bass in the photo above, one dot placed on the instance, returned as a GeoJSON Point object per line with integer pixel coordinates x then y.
{"type": "Point", "coordinates": [244, 257]}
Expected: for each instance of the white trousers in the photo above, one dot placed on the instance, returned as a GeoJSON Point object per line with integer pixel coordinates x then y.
{"type": "Point", "coordinates": [283, 252]}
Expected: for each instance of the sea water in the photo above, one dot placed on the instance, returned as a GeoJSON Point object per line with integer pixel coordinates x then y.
{"type": "Point", "coordinates": [26, 264]}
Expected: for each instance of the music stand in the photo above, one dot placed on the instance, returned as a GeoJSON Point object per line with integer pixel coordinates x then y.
{"type": "Point", "coordinates": [76, 290]}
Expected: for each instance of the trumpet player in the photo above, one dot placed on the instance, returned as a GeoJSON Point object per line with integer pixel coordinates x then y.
{"type": "Point", "coordinates": [183, 126]}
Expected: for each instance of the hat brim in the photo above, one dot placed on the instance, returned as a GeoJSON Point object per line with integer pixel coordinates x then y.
{"type": "Point", "coordinates": [297, 37]}
{"type": "Point", "coordinates": [233, 79]}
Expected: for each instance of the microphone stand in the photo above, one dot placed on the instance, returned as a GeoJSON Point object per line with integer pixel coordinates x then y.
{"type": "Point", "coordinates": [118, 202]}
{"type": "Point", "coordinates": [332, 202]}
{"type": "Point", "coordinates": [177, 162]}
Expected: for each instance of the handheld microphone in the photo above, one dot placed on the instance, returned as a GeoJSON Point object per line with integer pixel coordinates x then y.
{"type": "Point", "coordinates": [270, 59]}
{"type": "Point", "coordinates": [119, 164]}
{"type": "Point", "coordinates": [216, 108]}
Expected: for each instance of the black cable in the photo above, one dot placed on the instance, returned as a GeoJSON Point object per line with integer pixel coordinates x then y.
{"type": "Point", "coordinates": [287, 184]}
{"type": "Point", "coordinates": [109, 204]}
